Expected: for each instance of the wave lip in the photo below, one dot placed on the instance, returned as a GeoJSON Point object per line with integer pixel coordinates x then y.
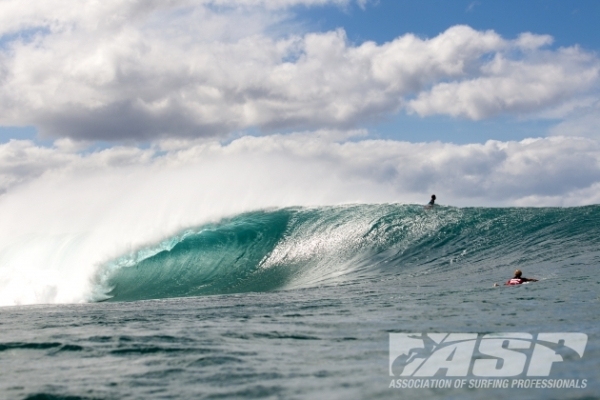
{"type": "Point", "coordinates": [257, 252]}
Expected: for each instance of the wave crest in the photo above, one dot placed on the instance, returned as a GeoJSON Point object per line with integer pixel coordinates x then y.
{"type": "Point", "coordinates": [297, 247]}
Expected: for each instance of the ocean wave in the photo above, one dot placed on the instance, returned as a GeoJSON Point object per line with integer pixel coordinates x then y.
{"type": "Point", "coordinates": [291, 248]}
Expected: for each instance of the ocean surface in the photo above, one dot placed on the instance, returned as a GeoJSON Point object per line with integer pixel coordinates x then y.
{"type": "Point", "coordinates": [299, 303]}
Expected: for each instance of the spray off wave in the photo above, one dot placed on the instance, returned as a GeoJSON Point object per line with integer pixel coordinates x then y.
{"type": "Point", "coordinates": [304, 247]}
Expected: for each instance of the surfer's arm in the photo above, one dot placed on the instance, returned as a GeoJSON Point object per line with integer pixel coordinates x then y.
{"type": "Point", "coordinates": [529, 280]}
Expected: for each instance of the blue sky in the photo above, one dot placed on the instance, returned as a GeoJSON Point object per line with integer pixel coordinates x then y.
{"type": "Point", "coordinates": [569, 22]}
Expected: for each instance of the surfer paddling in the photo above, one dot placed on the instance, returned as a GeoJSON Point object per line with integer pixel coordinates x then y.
{"type": "Point", "coordinates": [431, 202]}
{"type": "Point", "coordinates": [518, 279]}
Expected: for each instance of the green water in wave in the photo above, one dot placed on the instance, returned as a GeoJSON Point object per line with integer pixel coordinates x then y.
{"type": "Point", "coordinates": [287, 248]}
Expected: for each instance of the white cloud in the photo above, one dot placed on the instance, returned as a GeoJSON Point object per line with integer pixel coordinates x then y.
{"type": "Point", "coordinates": [582, 119]}
{"type": "Point", "coordinates": [23, 161]}
{"type": "Point", "coordinates": [505, 86]}
{"type": "Point", "coordinates": [142, 70]}
{"type": "Point", "coordinates": [530, 41]}
{"type": "Point", "coordinates": [494, 173]}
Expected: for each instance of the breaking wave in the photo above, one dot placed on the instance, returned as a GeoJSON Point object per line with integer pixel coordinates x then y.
{"type": "Point", "coordinates": [290, 248]}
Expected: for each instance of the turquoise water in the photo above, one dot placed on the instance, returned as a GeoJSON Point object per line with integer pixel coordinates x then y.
{"type": "Point", "coordinates": [299, 303]}
{"type": "Point", "coordinates": [289, 248]}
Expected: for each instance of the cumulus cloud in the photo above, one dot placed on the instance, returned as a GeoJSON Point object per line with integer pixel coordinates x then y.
{"type": "Point", "coordinates": [326, 167]}
{"type": "Point", "coordinates": [148, 70]}
{"type": "Point", "coordinates": [540, 81]}
{"type": "Point", "coordinates": [23, 161]}
{"type": "Point", "coordinates": [582, 119]}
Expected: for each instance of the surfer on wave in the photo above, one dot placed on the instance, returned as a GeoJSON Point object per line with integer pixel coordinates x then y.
{"type": "Point", "coordinates": [518, 279]}
{"type": "Point", "coordinates": [431, 202]}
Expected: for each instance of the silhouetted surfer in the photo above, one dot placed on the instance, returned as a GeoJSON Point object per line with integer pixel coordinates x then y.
{"type": "Point", "coordinates": [431, 202]}
{"type": "Point", "coordinates": [517, 279]}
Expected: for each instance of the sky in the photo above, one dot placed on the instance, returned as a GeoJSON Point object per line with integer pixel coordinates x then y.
{"type": "Point", "coordinates": [485, 103]}
{"type": "Point", "coordinates": [569, 24]}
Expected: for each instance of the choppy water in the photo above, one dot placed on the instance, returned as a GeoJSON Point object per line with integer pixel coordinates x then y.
{"type": "Point", "coordinates": [299, 303]}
